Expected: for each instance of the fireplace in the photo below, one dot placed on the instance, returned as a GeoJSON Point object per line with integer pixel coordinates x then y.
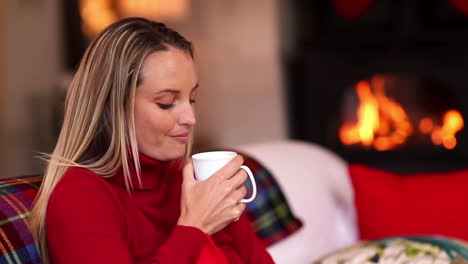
{"type": "Point", "coordinates": [393, 111]}
{"type": "Point", "coordinates": [403, 64]}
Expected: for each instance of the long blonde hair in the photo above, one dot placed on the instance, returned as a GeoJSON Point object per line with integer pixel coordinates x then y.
{"type": "Point", "coordinates": [98, 131]}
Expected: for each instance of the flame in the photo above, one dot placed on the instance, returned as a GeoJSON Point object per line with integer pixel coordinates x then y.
{"type": "Point", "coordinates": [445, 134]}
{"type": "Point", "coordinates": [382, 122]}
{"type": "Point", "coordinates": [426, 125]}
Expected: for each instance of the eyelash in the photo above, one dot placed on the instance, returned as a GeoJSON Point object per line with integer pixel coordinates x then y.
{"type": "Point", "coordinates": [169, 106]}
{"type": "Point", "coordinates": [165, 106]}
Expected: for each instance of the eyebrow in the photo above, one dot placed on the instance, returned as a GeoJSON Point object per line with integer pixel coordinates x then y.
{"type": "Point", "coordinates": [168, 91]}
{"type": "Point", "coordinates": [173, 91]}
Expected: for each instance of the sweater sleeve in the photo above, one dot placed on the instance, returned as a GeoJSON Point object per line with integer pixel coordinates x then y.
{"type": "Point", "coordinates": [248, 248]}
{"type": "Point", "coordinates": [84, 225]}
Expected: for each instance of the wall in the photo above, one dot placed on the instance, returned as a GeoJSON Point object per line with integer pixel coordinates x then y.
{"type": "Point", "coordinates": [241, 98]}
{"type": "Point", "coordinates": [33, 59]}
{"type": "Point", "coordinates": [2, 78]}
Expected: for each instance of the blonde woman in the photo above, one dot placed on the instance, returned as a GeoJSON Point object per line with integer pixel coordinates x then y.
{"type": "Point", "coordinates": [116, 189]}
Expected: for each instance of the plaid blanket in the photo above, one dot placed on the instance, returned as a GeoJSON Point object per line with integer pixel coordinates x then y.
{"type": "Point", "coordinates": [16, 242]}
{"type": "Point", "coordinates": [269, 213]}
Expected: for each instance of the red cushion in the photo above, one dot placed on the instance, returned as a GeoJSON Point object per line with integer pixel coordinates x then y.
{"type": "Point", "coordinates": [391, 204]}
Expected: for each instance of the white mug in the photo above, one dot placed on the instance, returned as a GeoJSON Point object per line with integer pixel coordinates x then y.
{"type": "Point", "coordinates": [206, 164]}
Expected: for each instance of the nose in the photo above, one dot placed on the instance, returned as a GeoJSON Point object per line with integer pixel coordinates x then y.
{"type": "Point", "coordinates": [187, 117]}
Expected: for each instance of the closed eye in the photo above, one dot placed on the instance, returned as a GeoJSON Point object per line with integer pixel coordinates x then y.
{"type": "Point", "coordinates": [165, 106]}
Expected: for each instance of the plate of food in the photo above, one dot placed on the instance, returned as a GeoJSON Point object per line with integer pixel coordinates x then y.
{"type": "Point", "coordinates": [402, 250]}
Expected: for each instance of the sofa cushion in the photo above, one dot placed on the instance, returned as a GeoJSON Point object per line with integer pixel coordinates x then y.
{"type": "Point", "coordinates": [391, 204]}
{"type": "Point", "coordinates": [269, 213]}
{"type": "Point", "coordinates": [16, 241]}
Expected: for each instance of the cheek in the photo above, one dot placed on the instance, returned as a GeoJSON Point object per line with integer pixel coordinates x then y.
{"type": "Point", "coordinates": [151, 125]}
{"type": "Point", "coordinates": [161, 124]}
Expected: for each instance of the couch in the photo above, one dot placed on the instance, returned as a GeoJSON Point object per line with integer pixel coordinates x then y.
{"type": "Point", "coordinates": [316, 184]}
{"type": "Point", "coordinates": [342, 203]}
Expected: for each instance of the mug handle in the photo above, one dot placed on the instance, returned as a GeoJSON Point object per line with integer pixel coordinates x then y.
{"type": "Point", "coordinates": [254, 185]}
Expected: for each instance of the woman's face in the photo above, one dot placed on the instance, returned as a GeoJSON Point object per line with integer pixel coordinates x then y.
{"type": "Point", "coordinates": [164, 104]}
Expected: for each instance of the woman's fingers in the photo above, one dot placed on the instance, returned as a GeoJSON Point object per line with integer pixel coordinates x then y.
{"type": "Point", "coordinates": [240, 193]}
{"type": "Point", "coordinates": [234, 198]}
{"type": "Point", "coordinates": [237, 181]}
{"type": "Point", "coordinates": [229, 169]}
{"type": "Point", "coordinates": [232, 190]}
{"type": "Point", "coordinates": [238, 210]}
{"type": "Point", "coordinates": [212, 204]}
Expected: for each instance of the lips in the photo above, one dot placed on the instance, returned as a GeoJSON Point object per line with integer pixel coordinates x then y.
{"type": "Point", "coordinates": [182, 137]}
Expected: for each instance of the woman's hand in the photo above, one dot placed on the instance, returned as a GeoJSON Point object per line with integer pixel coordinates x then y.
{"type": "Point", "coordinates": [212, 204]}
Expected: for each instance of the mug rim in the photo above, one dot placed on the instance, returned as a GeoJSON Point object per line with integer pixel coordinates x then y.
{"type": "Point", "coordinates": [214, 155]}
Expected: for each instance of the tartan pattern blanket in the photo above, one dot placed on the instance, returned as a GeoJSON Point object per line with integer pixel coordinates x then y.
{"type": "Point", "coordinates": [269, 213]}
{"type": "Point", "coordinates": [16, 242]}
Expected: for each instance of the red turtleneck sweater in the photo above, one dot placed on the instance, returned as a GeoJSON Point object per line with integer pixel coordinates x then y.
{"type": "Point", "coordinates": [94, 220]}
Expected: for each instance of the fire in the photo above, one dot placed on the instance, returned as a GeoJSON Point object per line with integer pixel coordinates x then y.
{"type": "Point", "coordinates": [383, 124]}
{"type": "Point", "coordinates": [452, 123]}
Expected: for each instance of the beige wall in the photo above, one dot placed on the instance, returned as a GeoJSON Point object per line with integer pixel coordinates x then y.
{"type": "Point", "coordinates": [2, 81]}
{"type": "Point", "coordinates": [33, 59]}
{"type": "Point", "coordinates": [241, 98]}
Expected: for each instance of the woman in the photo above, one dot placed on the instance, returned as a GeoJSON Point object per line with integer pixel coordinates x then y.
{"type": "Point", "coordinates": [116, 189]}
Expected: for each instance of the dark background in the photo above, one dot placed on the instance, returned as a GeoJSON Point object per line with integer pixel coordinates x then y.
{"type": "Point", "coordinates": [420, 39]}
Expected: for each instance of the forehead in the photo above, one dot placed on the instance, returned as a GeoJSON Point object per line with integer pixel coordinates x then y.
{"type": "Point", "coordinates": [168, 69]}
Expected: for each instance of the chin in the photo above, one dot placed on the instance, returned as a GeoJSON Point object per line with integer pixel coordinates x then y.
{"type": "Point", "coordinates": [172, 154]}
{"type": "Point", "coordinates": [166, 152]}
{"type": "Point", "coordinates": [176, 156]}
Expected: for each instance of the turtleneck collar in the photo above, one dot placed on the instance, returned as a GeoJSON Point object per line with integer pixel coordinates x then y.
{"type": "Point", "coordinates": [152, 172]}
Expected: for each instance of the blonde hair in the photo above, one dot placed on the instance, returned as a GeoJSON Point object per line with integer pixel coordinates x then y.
{"type": "Point", "coordinates": [98, 131]}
